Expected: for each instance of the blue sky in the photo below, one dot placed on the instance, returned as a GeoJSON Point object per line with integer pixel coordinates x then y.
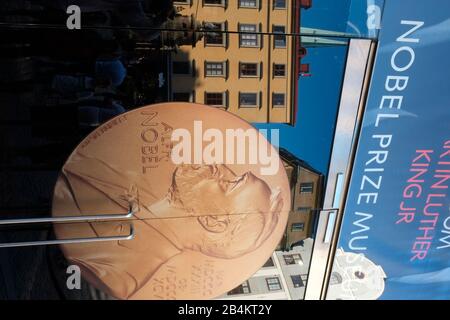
{"type": "Point", "coordinates": [311, 138]}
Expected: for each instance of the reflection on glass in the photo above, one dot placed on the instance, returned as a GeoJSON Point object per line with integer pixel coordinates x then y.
{"type": "Point", "coordinates": [243, 56]}
{"type": "Point", "coordinates": [353, 18]}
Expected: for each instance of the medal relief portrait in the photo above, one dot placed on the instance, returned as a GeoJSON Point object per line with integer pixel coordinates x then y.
{"type": "Point", "coordinates": [207, 210]}
{"type": "Point", "coordinates": [200, 230]}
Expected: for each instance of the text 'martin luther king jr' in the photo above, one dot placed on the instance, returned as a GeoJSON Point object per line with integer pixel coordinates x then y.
{"type": "Point", "coordinates": [201, 229]}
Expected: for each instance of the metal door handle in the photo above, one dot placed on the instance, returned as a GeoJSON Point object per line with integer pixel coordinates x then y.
{"type": "Point", "coordinates": [98, 217]}
{"type": "Point", "coordinates": [130, 236]}
{"type": "Point", "coordinates": [330, 227]}
{"type": "Point", "coordinates": [88, 218]}
{"type": "Point", "coordinates": [333, 213]}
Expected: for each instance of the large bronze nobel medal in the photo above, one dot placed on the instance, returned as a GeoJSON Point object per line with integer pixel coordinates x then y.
{"type": "Point", "coordinates": [210, 199]}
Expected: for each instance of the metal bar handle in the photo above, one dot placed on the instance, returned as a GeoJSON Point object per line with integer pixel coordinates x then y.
{"type": "Point", "coordinates": [130, 236]}
{"type": "Point", "coordinates": [90, 218]}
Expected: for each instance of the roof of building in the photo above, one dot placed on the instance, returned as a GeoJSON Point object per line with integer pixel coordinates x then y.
{"type": "Point", "coordinates": [293, 160]}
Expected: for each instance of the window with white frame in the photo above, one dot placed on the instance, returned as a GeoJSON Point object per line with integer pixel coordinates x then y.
{"type": "Point", "coordinates": [216, 99]}
{"type": "Point", "coordinates": [249, 69]}
{"type": "Point", "coordinates": [221, 3]}
{"type": "Point", "coordinates": [298, 226]}
{"type": "Point", "coordinates": [273, 284]}
{"type": "Point", "coordinates": [279, 70]}
{"type": "Point", "coordinates": [279, 100]}
{"type": "Point", "coordinates": [279, 4]}
{"type": "Point", "coordinates": [295, 258]}
{"type": "Point", "coordinates": [214, 36]}
{"type": "Point", "coordinates": [306, 187]}
{"type": "Point", "coordinates": [215, 69]}
{"type": "Point", "coordinates": [244, 288]}
{"type": "Point", "coordinates": [249, 99]}
{"type": "Point", "coordinates": [249, 39]}
{"type": "Point", "coordinates": [248, 3]}
{"type": "Point", "coordinates": [279, 38]}
{"type": "Point", "coordinates": [297, 281]}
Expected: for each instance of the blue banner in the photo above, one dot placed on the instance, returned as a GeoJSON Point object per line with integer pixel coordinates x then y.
{"type": "Point", "coordinates": [395, 236]}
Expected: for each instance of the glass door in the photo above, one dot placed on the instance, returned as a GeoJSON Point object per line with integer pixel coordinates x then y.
{"type": "Point", "coordinates": [71, 72]}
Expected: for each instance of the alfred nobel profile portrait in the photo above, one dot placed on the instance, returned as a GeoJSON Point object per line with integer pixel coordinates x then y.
{"type": "Point", "coordinates": [206, 209]}
{"type": "Point", "coordinates": [233, 214]}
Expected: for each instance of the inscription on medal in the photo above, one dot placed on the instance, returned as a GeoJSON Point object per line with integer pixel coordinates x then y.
{"type": "Point", "coordinates": [156, 141]}
{"type": "Point", "coordinates": [205, 278]}
{"type": "Point", "coordinates": [103, 129]}
{"type": "Point", "coordinates": [168, 286]}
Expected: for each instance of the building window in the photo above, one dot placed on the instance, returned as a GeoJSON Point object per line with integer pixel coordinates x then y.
{"type": "Point", "coordinates": [182, 67]}
{"type": "Point", "coordinates": [297, 281]}
{"type": "Point", "coordinates": [295, 258]}
{"type": "Point", "coordinates": [248, 39]}
{"type": "Point", "coordinates": [242, 289]}
{"type": "Point", "coordinates": [279, 39]}
{"type": "Point", "coordinates": [182, 2]}
{"type": "Point", "coordinates": [215, 38]}
{"type": "Point", "coordinates": [182, 96]}
{"type": "Point", "coordinates": [248, 100]}
{"type": "Point", "coordinates": [215, 99]}
{"type": "Point", "coordinates": [278, 100]}
{"type": "Point", "coordinates": [215, 69]}
{"type": "Point", "coordinates": [248, 3]}
{"type": "Point", "coordinates": [304, 209]}
{"type": "Point", "coordinates": [279, 70]}
{"type": "Point", "coordinates": [273, 284]}
{"type": "Point", "coordinates": [307, 187]}
{"type": "Point", "coordinates": [269, 263]}
{"type": "Point", "coordinates": [221, 3]}
{"type": "Point", "coordinates": [298, 226]}
{"type": "Point", "coordinates": [249, 70]}
{"type": "Point", "coordinates": [279, 4]}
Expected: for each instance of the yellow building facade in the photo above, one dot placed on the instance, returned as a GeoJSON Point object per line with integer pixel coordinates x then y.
{"type": "Point", "coordinates": [251, 75]}
{"type": "Point", "coordinates": [306, 194]}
